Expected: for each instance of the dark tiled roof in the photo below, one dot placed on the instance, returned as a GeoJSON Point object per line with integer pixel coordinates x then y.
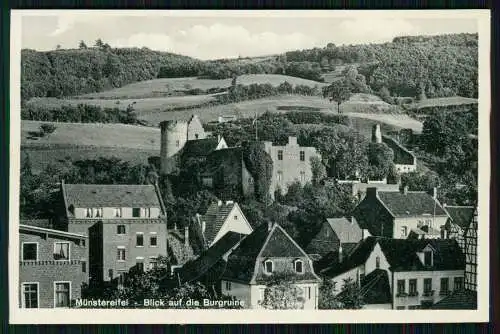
{"type": "Point", "coordinates": [199, 147]}
{"type": "Point", "coordinates": [110, 195]}
{"type": "Point", "coordinates": [375, 288]}
{"type": "Point", "coordinates": [346, 231]}
{"type": "Point", "coordinates": [197, 268]}
{"type": "Point", "coordinates": [358, 187]}
{"type": "Point", "coordinates": [458, 300]}
{"type": "Point", "coordinates": [358, 256]}
{"type": "Point", "coordinates": [402, 254]}
{"type": "Point", "coordinates": [401, 155]}
{"type": "Point", "coordinates": [413, 203]}
{"type": "Point", "coordinates": [214, 218]}
{"type": "Point", "coordinates": [45, 223]}
{"type": "Point", "coordinates": [348, 247]}
{"type": "Point", "coordinates": [461, 215]}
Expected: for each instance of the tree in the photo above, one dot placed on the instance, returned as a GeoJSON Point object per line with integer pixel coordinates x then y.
{"type": "Point", "coordinates": [82, 45]}
{"type": "Point", "coordinates": [99, 43]}
{"type": "Point", "coordinates": [350, 296]}
{"type": "Point", "coordinates": [338, 91]}
{"type": "Point", "coordinates": [327, 299]}
{"type": "Point", "coordinates": [282, 294]}
{"type": "Point", "coordinates": [380, 160]}
{"type": "Point", "coordinates": [318, 170]}
{"type": "Point", "coordinates": [260, 166]}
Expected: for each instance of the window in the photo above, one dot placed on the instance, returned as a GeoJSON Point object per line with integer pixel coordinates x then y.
{"type": "Point", "coordinates": [401, 287]}
{"type": "Point", "coordinates": [280, 175]}
{"type": "Point", "coordinates": [299, 266]}
{"type": "Point", "coordinates": [88, 213]}
{"type": "Point", "coordinates": [61, 251]}
{"type": "Point", "coordinates": [30, 251]}
{"type": "Point", "coordinates": [139, 239]}
{"type": "Point", "coordinates": [153, 241]}
{"type": "Point", "coordinates": [427, 286]}
{"type": "Point", "coordinates": [302, 176]}
{"type": "Point", "coordinates": [120, 254]}
{"type": "Point", "coordinates": [196, 136]}
{"type": "Point", "coordinates": [307, 292]}
{"type": "Point", "coordinates": [268, 266]}
{"type": "Point", "coordinates": [84, 267]}
{"type": "Point", "coordinates": [428, 258]}
{"type": "Point", "coordinates": [62, 294]}
{"type": "Point", "coordinates": [97, 212]}
{"type": "Point", "coordinates": [118, 212]}
{"type": "Point", "coordinates": [458, 283]}
{"type": "Point", "coordinates": [302, 156]}
{"type": "Point", "coordinates": [412, 287]}
{"type": "Point", "coordinates": [139, 261]}
{"type": "Point", "coordinates": [235, 217]}
{"type": "Point", "coordinates": [145, 212]}
{"type": "Point", "coordinates": [110, 274]}
{"type": "Point", "coordinates": [121, 278]}
{"type": "Point", "coordinates": [30, 295]}
{"type": "Point", "coordinates": [444, 286]}
{"type": "Point", "coordinates": [280, 155]}
{"type": "Point", "coordinates": [136, 212]}
{"type": "Point", "coordinates": [120, 229]}
{"type": "Point", "coordinates": [153, 262]}
{"type": "Point", "coordinates": [228, 286]}
{"type": "Point", "coordinates": [377, 262]}
{"type": "Point", "coordinates": [404, 231]}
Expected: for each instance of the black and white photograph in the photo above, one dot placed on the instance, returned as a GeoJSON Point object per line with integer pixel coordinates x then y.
{"type": "Point", "coordinates": [249, 166]}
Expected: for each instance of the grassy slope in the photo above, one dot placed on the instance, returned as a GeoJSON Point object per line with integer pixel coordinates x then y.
{"type": "Point", "coordinates": [163, 86]}
{"type": "Point", "coordinates": [443, 101]}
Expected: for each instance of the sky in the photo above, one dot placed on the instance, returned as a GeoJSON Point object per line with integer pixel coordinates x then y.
{"type": "Point", "coordinates": [219, 34]}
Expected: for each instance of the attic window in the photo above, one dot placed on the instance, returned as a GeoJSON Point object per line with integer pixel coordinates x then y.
{"type": "Point", "coordinates": [428, 258]}
{"type": "Point", "coordinates": [299, 266]}
{"type": "Point", "coordinates": [268, 267]}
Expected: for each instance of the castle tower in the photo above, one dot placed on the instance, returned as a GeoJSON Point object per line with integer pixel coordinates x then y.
{"type": "Point", "coordinates": [173, 138]}
{"type": "Point", "coordinates": [376, 134]}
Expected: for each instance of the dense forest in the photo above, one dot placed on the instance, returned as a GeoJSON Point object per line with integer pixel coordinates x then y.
{"type": "Point", "coordinates": [442, 65]}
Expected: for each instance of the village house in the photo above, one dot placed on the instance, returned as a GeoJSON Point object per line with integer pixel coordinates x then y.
{"type": "Point", "coordinates": [291, 163]}
{"type": "Point", "coordinates": [52, 267]}
{"type": "Point", "coordinates": [336, 238]}
{"type": "Point", "coordinates": [420, 272]}
{"type": "Point", "coordinates": [404, 160]}
{"type": "Point", "coordinates": [457, 224]}
{"type": "Point", "coordinates": [266, 254]}
{"type": "Point", "coordinates": [221, 218]}
{"type": "Point", "coordinates": [126, 225]}
{"type": "Point", "coordinates": [401, 214]}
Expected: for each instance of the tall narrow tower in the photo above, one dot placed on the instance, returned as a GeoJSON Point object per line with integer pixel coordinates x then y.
{"type": "Point", "coordinates": [376, 134]}
{"type": "Point", "coordinates": [173, 139]}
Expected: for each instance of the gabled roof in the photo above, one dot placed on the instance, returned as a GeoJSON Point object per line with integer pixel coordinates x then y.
{"type": "Point", "coordinates": [260, 244]}
{"type": "Point", "coordinates": [413, 203]}
{"type": "Point", "coordinates": [110, 195]}
{"type": "Point", "coordinates": [347, 231]}
{"type": "Point", "coordinates": [197, 268]}
{"type": "Point", "coordinates": [402, 255]}
{"type": "Point", "coordinates": [215, 217]}
{"type": "Point", "coordinates": [375, 288]}
{"type": "Point", "coordinates": [199, 147]}
{"type": "Point", "coordinates": [458, 300]}
{"type": "Point", "coordinates": [460, 215]}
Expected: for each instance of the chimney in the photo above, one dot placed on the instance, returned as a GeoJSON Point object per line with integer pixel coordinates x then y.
{"type": "Point", "coordinates": [405, 190]}
{"type": "Point", "coordinates": [371, 192]}
{"type": "Point", "coordinates": [186, 236]}
{"type": "Point", "coordinates": [292, 141]}
{"type": "Point", "coordinates": [376, 134]}
{"type": "Point", "coordinates": [341, 256]}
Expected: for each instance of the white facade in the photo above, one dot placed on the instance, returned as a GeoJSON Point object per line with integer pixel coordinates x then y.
{"type": "Point", "coordinates": [235, 222]}
{"type": "Point", "coordinates": [116, 212]}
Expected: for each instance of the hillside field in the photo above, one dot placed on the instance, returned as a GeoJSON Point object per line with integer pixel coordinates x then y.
{"type": "Point", "coordinates": [443, 102]}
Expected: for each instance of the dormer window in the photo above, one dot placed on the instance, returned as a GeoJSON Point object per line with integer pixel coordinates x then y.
{"type": "Point", "coordinates": [299, 266]}
{"type": "Point", "coordinates": [428, 258]}
{"type": "Point", "coordinates": [118, 212]}
{"type": "Point", "coordinates": [268, 266]}
{"type": "Point", "coordinates": [97, 212]}
{"type": "Point", "coordinates": [88, 213]}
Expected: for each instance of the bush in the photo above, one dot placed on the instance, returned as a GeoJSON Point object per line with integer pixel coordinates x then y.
{"type": "Point", "coordinates": [47, 128]}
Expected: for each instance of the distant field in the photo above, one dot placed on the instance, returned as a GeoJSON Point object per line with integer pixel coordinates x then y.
{"type": "Point", "coordinates": [105, 135]}
{"type": "Point", "coordinates": [394, 120]}
{"type": "Point", "coordinates": [443, 101]}
{"type": "Point", "coordinates": [162, 87]}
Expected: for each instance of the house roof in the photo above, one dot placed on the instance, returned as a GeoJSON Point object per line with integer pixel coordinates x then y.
{"type": "Point", "coordinates": [413, 203]}
{"type": "Point", "coordinates": [214, 218]}
{"type": "Point", "coordinates": [45, 223]}
{"type": "Point", "coordinates": [347, 231]}
{"type": "Point", "coordinates": [199, 147]}
{"type": "Point", "coordinates": [264, 243]}
{"type": "Point", "coordinates": [110, 195]}
{"type": "Point", "coordinates": [458, 300]}
{"type": "Point", "coordinates": [375, 288]}
{"type": "Point", "coordinates": [460, 215]}
{"type": "Point", "coordinates": [201, 265]}
{"type": "Point", "coordinates": [359, 187]}
{"type": "Point", "coordinates": [402, 255]}
{"type": "Point", "coordinates": [51, 231]}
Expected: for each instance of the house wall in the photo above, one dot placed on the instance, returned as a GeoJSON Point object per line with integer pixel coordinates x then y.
{"type": "Point", "coordinates": [111, 241]}
{"type": "Point", "coordinates": [405, 168]}
{"type": "Point", "coordinates": [195, 129]}
{"type": "Point", "coordinates": [291, 166]}
{"type": "Point", "coordinates": [436, 276]}
{"type": "Point", "coordinates": [238, 225]}
{"type": "Point", "coordinates": [46, 270]}
{"type": "Point", "coordinates": [247, 181]}
{"type": "Point", "coordinates": [353, 274]}
{"type": "Point", "coordinates": [413, 222]}
{"type": "Point", "coordinates": [238, 290]}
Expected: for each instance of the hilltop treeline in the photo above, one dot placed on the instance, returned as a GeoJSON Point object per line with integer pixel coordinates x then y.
{"type": "Point", "coordinates": [79, 71]}
{"type": "Point", "coordinates": [442, 65]}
